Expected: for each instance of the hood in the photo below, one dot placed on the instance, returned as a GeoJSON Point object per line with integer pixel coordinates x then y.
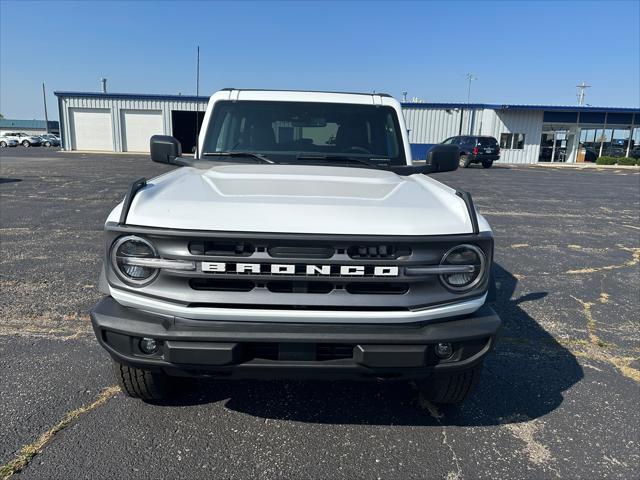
{"type": "Point", "coordinates": [299, 199]}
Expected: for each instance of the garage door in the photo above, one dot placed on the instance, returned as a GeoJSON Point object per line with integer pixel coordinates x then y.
{"type": "Point", "coordinates": [137, 128]}
{"type": "Point", "coordinates": [91, 129]}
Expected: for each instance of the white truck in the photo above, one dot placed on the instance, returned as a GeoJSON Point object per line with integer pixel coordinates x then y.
{"type": "Point", "coordinates": [299, 241]}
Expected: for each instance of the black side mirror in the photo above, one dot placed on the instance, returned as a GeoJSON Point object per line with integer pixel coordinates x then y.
{"type": "Point", "coordinates": [165, 149]}
{"type": "Point", "coordinates": [443, 158]}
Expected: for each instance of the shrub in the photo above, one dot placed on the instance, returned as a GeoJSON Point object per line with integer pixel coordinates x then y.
{"type": "Point", "coordinates": [606, 161]}
{"type": "Point", "coordinates": [627, 161]}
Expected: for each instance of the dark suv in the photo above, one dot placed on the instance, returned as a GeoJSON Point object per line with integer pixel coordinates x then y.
{"type": "Point", "coordinates": [476, 149]}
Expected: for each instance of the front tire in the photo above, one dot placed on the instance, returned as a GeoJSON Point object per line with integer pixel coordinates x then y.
{"type": "Point", "coordinates": [144, 384]}
{"type": "Point", "coordinates": [3, 144]}
{"type": "Point", "coordinates": [487, 163]}
{"type": "Point", "coordinates": [26, 143]}
{"type": "Point", "coordinates": [453, 388]}
{"type": "Point", "coordinates": [47, 144]}
{"type": "Point", "coordinates": [464, 161]}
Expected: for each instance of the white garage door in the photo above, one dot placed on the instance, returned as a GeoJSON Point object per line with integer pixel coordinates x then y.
{"type": "Point", "coordinates": [91, 129]}
{"type": "Point", "coordinates": [137, 128]}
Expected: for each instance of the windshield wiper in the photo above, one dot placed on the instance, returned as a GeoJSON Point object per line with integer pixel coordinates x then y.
{"type": "Point", "coordinates": [338, 158]}
{"type": "Point", "coordinates": [257, 156]}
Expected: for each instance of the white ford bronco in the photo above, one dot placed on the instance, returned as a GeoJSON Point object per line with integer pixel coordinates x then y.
{"type": "Point", "coordinates": [299, 241]}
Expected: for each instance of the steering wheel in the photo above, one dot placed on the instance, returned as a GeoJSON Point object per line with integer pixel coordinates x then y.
{"type": "Point", "coordinates": [357, 150]}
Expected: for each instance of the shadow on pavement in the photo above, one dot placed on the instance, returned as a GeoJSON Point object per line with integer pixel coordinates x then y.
{"type": "Point", "coordinates": [10, 180]}
{"type": "Point", "coordinates": [524, 378]}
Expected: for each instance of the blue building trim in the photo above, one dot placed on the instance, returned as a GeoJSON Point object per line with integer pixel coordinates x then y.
{"type": "Point", "coordinates": [549, 108]}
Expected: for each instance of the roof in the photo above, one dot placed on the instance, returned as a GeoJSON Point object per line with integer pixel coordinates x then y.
{"type": "Point", "coordinates": [136, 96]}
{"type": "Point", "coordinates": [27, 124]}
{"type": "Point", "coordinates": [490, 106]}
{"type": "Point", "coordinates": [193, 98]}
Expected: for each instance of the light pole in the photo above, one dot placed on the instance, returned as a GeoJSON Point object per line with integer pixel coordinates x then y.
{"type": "Point", "coordinates": [470, 77]}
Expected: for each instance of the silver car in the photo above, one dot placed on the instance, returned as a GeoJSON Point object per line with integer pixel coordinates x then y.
{"type": "Point", "coordinates": [49, 140]}
{"type": "Point", "coordinates": [8, 142]}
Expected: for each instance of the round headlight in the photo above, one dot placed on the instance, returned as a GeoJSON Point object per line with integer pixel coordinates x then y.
{"type": "Point", "coordinates": [468, 256]}
{"type": "Point", "coordinates": [123, 253]}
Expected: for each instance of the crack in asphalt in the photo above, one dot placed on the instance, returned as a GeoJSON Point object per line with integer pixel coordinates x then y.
{"type": "Point", "coordinates": [635, 258]}
{"type": "Point", "coordinates": [526, 430]}
{"type": "Point", "coordinates": [27, 452]}
{"type": "Point", "coordinates": [437, 416]}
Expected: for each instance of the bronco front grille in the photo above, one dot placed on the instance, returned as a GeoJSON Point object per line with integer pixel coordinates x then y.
{"type": "Point", "coordinates": [312, 275]}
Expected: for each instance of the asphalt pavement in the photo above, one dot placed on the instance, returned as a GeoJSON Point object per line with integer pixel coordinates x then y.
{"type": "Point", "coordinates": [558, 397]}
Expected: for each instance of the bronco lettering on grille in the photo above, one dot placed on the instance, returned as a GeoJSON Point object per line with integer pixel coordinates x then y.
{"type": "Point", "coordinates": [297, 269]}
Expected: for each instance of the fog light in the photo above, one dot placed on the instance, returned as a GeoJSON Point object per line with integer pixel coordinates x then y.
{"type": "Point", "coordinates": [444, 350]}
{"type": "Point", "coordinates": [148, 345]}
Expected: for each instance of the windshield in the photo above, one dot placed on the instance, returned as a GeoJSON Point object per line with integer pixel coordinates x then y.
{"type": "Point", "coordinates": [487, 141]}
{"type": "Point", "coordinates": [297, 132]}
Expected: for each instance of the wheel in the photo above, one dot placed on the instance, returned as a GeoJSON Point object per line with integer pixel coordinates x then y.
{"type": "Point", "coordinates": [47, 144]}
{"type": "Point", "coordinates": [487, 163]}
{"type": "Point", "coordinates": [464, 161]}
{"type": "Point", "coordinates": [453, 388]}
{"type": "Point", "coordinates": [3, 144]}
{"type": "Point", "coordinates": [26, 143]}
{"type": "Point", "coordinates": [144, 384]}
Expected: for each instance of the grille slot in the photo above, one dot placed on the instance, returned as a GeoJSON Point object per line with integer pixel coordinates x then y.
{"type": "Point", "coordinates": [221, 248]}
{"type": "Point", "coordinates": [265, 350]}
{"type": "Point", "coordinates": [227, 285]}
{"type": "Point", "coordinates": [378, 251]}
{"type": "Point", "coordinates": [292, 251]}
{"type": "Point", "coordinates": [323, 351]}
{"type": "Point", "coordinates": [334, 351]}
{"type": "Point", "coordinates": [300, 287]}
{"type": "Point", "coordinates": [374, 288]}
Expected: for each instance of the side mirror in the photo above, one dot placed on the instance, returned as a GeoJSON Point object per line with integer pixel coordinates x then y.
{"type": "Point", "coordinates": [443, 158]}
{"type": "Point", "coordinates": [165, 149]}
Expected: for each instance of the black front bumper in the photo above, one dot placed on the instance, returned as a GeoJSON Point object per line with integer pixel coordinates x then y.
{"type": "Point", "coordinates": [247, 349]}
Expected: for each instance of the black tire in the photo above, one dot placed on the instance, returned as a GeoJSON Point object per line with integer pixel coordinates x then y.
{"type": "Point", "coordinates": [464, 161]}
{"type": "Point", "coordinates": [487, 163]}
{"type": "Point", "coordinates": [454, 388]}
{"type": "Point", "coordinates": [26, 143]}
{"type": "Point", "coordinates": [3, 144]}
{"type": "Point", "coordinates": [144, 384]}
{"type": "Point", "coordinates": [47, 144]}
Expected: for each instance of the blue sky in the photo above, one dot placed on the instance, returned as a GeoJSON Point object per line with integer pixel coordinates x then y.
{"type": "Point", "coordinates": [522, 52]}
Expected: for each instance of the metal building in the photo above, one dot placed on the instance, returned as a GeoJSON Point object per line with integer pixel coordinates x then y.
{"type": "Point", "coordinates": [122, 122]}
{"type": "Point", "coordinates": [526, 133]}
{"type": "Point", "coordinates": [529, 133]}
{"type": "Point", "coordinates": [32, 127]}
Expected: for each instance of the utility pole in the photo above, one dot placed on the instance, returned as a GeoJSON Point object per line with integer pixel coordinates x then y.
{"type": "Point", "coordinates": [46, 117]}
{"type": "Point", "coordinates": [197, 102]}
{"type": "Point", "coordinates": [470, 77]}
{"type": "Point", "coordinates": [582, 92]}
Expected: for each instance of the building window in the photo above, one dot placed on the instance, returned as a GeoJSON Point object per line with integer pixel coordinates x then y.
{"type": "Point", "coordinates": [518, 141]}
{"type": "Point", "coordinates": [512, 141]}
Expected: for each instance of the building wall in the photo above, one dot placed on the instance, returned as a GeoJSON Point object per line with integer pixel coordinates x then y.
{"type": "Point", "coordinates": [529, 122]}
{"type": "Point", "coordinates": [434, 125]}
{"type": "Point", "coordinates": [116, 106]}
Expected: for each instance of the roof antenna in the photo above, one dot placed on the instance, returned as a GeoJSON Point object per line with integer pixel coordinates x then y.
{"type": "Point", "coordinates": [582, 93]}
{"type": "Point", "coordinates": [195, 151]}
